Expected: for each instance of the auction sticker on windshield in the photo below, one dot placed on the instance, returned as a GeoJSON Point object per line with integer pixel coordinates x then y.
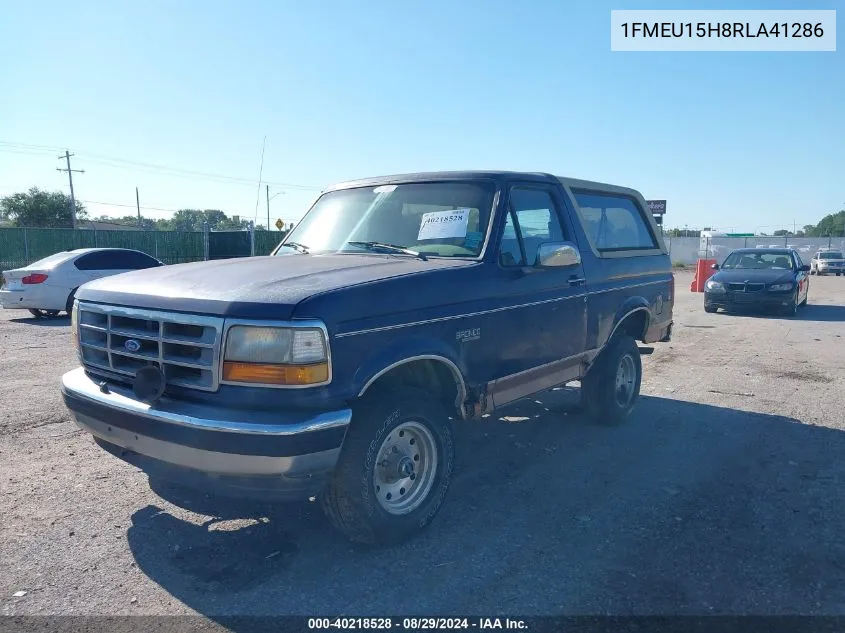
{"type": "Point", "coordinates": [444, 224]}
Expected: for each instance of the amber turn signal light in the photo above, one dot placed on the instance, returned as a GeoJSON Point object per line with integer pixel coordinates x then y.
{"type": "Point", "coordinates": [275, 374]}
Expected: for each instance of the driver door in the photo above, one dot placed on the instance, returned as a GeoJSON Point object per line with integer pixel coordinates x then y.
{"type": "Point", "coordinates": [542, 328]}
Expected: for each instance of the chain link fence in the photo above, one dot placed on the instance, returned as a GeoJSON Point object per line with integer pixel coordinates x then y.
{"type": "Point", "coordinates": [687, 250]}
{"type": "Point", "coordinates": [22, 246]}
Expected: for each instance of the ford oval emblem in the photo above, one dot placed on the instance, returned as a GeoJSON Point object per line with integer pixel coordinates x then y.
{"type": "Point", "coordinates": [131, 345]}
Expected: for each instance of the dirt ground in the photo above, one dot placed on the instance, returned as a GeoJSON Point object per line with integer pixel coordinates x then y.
{"type": "Point", "coordinates": [723, 494]}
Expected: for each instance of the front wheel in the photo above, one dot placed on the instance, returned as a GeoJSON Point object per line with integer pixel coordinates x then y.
{"type": "Point", "coordinates": [710, 309]}
{"type": "Point", "coordinates": [41, 314]}
{"type": "Point", "coordinates": [611, 387]}
{"type": "Point", "coordinates": [394, 468]}
{"type": "Point", "coordinates": [792, 308]}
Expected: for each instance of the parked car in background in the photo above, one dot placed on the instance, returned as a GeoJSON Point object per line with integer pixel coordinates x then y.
{"type": "Point", "coordinates": [398, 305]}
{"type": "Point", "coordinates": [827, 262]}
{"type": "Point", "coordinates": [48, 286]}
{"type": "Point", "coordinates": [756, 277]}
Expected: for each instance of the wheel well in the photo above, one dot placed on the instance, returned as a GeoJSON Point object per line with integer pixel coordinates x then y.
{"type": "Point", "coordinates": [432, 375]}
{"type": "Point", "coordinates": [634, 324]}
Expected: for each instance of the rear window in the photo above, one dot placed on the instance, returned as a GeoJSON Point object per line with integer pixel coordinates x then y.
{"type": "Point", "coordinates": [614, 222]}
{"type": "Point", "coordinates": [52, 260]}
{"type": "Point", "coordinates": [831, 255]}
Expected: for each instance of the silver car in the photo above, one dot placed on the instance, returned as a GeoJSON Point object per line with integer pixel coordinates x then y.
{"type": "Point", "coordinates": [827, 263]}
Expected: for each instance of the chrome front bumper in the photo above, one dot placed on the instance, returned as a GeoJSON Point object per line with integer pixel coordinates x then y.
{"type": "Point", "coordinates": [279, 452]}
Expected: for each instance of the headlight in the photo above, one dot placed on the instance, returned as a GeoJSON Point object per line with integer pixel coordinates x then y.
{"type": "Point", "coordinates": [275, 355]}
{"type": "Point", "coordinates": [781, 287]}
{"type": "Point", "coordinates": [714, 285]}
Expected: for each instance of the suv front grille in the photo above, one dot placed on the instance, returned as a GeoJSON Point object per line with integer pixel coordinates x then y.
{"type": "Point", "coordinates": [121, 340]}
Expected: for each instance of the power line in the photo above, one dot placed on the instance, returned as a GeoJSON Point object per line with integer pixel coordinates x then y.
{"type": "Point", "coordinates": [121, 163]}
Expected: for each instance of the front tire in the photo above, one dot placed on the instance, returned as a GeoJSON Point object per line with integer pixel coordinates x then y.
{"type": "Point", "coordinates": [792, 308]}
{"type": "Point", "coordinates": [394, 469]}
{"type": "Point", "coordinates": [43, 314]}
{"type": "Point", "coordinates": [710, 309]}
{"type": "Point", "coordinates": [610, 389]}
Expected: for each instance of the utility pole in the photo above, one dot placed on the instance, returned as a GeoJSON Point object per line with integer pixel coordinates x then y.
{"type": "Point", "coordinates": [138, 207]}
{"type": "Point", "coordinates": [268, 206]}
{"type": "Point", "coordinates": [70, 180]}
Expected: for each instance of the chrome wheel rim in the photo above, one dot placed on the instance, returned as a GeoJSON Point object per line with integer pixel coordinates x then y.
{"type": "Point", "coordinates": [405, 467]}
{"type": "Point", "coordinates": [626, 375]}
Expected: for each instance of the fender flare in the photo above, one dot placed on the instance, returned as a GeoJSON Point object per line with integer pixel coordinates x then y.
{"type": "Point", "coordinates": [409, 351]}
{"type": "Point", "coordinates": [632, 305]}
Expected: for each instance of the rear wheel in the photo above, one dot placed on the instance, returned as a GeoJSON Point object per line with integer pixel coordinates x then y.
{"type": "Point", "coordinates": [70, 299]}
{"type": "Point", "coordinates": [611, 387]}
{"type": "Point", "coordinates": [394, 469]}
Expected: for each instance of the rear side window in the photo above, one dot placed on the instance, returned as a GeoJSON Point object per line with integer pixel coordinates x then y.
{"type": "Point", "coordinates": [136, 260]}
{"type": "Point", "coordinates": [115, 260]}
{"type": "Point", "coordinates": [614, 222]}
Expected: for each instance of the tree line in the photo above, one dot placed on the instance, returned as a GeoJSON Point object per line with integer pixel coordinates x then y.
{"type": "Point", "coordinates": [831, 225]}
{"type": "Point", "coordinates": [52, 209]}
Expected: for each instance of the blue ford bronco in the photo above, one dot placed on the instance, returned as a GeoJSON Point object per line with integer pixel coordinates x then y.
{"type": "Point", "coordinates": [337, 366]}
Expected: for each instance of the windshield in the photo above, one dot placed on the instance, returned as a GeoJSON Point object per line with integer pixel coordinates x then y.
{"type": "Point", "coordinates": [830, 255]}
{"type": "Point", "coordinates": [758, 261]}
{"type": "Point", "coordinates": [441, 219]}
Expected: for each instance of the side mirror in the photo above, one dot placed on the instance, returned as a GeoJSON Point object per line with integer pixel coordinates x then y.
{"type": "Point", "coordinates": [557, 254]}
{"type": "Point", "coordinates": [715, 267]}
{"type": "Point", "coordinates": [805, 268]}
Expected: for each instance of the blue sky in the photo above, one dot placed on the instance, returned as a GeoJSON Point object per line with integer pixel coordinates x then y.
{"type": "Point", "coordinates": [352, 89]}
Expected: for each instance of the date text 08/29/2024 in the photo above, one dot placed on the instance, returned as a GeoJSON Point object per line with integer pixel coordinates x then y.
{"type": "Point", "coordinates": [417, 623]}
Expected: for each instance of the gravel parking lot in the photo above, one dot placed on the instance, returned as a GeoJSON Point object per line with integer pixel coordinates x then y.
{"type": "Point", "coordinates": [722, 495]}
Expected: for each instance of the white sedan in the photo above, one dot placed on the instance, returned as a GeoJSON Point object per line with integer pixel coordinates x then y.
{"type": "Point", "coordinates": [48, 286]}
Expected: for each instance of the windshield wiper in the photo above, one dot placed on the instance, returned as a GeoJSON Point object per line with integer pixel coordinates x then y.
{"type": "Point", "coordinates": [389, 247]}
{"type": "Point", "coordinates": [297, 247]}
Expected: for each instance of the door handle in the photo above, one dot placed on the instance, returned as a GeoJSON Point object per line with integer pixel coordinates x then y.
{"type": "Point", "coordinates": [576, 281]}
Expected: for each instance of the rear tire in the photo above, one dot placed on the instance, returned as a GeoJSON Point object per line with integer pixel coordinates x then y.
{"type": "Point", "coordinates": [611, 387]}
{"type": "Point", "coordinates": [394, 469]}
{"type": "Point", "coordinates": [70, 299]}
{"type": "Point", "coordinates": [38, 314]}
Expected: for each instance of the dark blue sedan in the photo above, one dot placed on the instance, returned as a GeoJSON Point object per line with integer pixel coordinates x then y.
{"type": "Point", "coordinates": [773, 278]}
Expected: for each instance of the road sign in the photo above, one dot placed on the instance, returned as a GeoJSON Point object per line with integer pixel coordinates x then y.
{"type": "Point", "coordinates": [280, 225]}
{"type": "Point", "coordinates": [657, 207]}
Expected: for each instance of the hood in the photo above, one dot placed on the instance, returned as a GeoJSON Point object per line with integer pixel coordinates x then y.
{"type": "Point", "coordinates": [251, 287]}
{"type": "Point", "coordinates": [770, 276]}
